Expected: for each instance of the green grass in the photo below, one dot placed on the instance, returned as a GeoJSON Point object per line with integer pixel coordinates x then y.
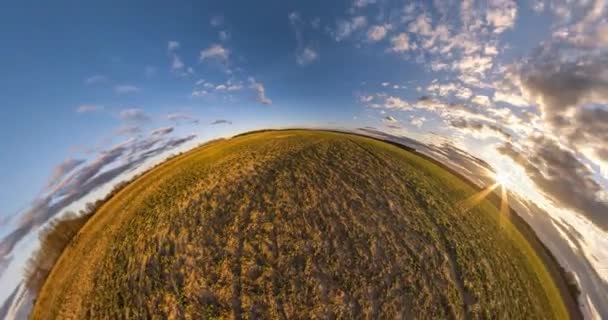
{"type": "Point", "coordinates": [298, 224]}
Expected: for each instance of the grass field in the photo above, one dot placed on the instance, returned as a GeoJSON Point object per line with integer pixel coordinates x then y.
{"type": "Point", "coordinates": [298, 224]}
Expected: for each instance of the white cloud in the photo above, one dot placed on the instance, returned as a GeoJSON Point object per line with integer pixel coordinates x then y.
{"type": "Point", "coordinates": [199, 93]}
{"type": "Point", "coordinates": [86, 108]}
{"type": "Point", "coordinates": [490, 50]}
{"type": "Point", "coordinates": [172, 45]}
{"type": "Point", "coordinates": [400, 43]}
{"type": "Point", "coordinates": [305, 53]}
{"type": "Point", "coordinates": [224, 35]}
{"type": "Point", "coordinates": [216, 21]}
{"type": "Point", "coordinates": [366, 99]}
{"type": "Point", "coordinates": [396, 103]}
{"type": "Point", "coordinates": [481, 100]}
{"type": "Point", "coordinates": [96, 79]}
{"type": "Point", "coordinates": [417, 121]}
{"type": "Point", "coordinates": [510, 98]}
{"type": "Point", "coordinates": [463, 93]}
{"type": "Point", "coordinates": [125, 89]}
{"type": "Point", "coordinates": [176, 63]}
{"type": "Point", "coordinates": [306, 56]}
{"type": "Point", "coordinates": [421, 26]}
{"type": "Point", "coordinates": [345, 28]}
{"type": "Point", "coordinates": [474, 64]}
{"type": "Point", "coordinates": [501, 14]}
{"type": "Point", "coordinates": [260, 92]}
{"type": "Point", "coordinates": [133, 114]}
{"type": "Point", "coordinates": [363, 3]}
{"type": "Point", "coordinates": [215, 51]}
{"type": "Point", "coordinates": [377, 33]}
{"type": "Point", "coordinates": [443, 89]}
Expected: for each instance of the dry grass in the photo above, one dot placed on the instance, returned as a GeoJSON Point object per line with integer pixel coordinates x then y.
{"type": "Point", "coordinates": [311, 225]}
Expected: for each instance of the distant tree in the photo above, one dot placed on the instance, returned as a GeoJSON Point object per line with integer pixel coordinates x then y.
{"type": "Point", "coordinates": [54, 238]}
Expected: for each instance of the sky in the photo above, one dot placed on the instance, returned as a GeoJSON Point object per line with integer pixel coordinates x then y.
{"type": "Point", "coordinates": [91, 94]}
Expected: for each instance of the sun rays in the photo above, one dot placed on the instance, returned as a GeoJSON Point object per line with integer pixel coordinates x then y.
{"type": "Point", "coordinates": [503, 180]}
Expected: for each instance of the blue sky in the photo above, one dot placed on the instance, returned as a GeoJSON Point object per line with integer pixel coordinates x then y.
{"type": "Point", "coordinates": [521, 85]}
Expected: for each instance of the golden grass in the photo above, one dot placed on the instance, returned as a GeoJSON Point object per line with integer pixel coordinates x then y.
{"type": "Point", "coordinates": [311, 225]}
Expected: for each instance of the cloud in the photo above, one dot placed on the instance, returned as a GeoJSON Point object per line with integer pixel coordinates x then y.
{"type": "Point", "coordinates": [133, 114]}
{"type": "Point", "coordinates": [220, 121]}
{"type": "Point", "coordinates": [108, 165]}
{"type": "Point", "coordinates": [229, 86]}
{"type": "Point", "coordinates": [172, 46]}
{"type": "Point", "coordinates": [179, 117]}
{"type": "Point", "coordinates": [305, 52]}
{"type": "Point", "coordinates": [400, 43]}
{"type": "Point", "coordinates": [377, 33]}
{"type": "Point", "coordinates": [366, 99]}
{"type": "Point", "coordinates": [510, 98]}
{"type": "Point", "coordinates": [501, 14]}
{"type": "Point", "coordinates": [570, 86]}
{"type": "Point", "coordinates": [199, 93]}
{"type": "Point", "coordinates": [558, 86]}
{"type": "Point", "coordinates": [417, 121]}
{"type": "Point", "coordinates": [481, 100]}
{"type": "Point", "coordinates": [396, 103]}
{"type": "Point", "coordinates": [126, 89]}
{"type": "Point", "coordinates": [162, 131]}
{"type": "Point", "coordinates": [561, 177]}
{"type": "Point", "coordinates": [96, 79]}
{"type": "Point", "coordinates": [306, 56]}
{"type": "Point", "coordinates": [62, 169]}
{"type": "Point", "coordinates": [216, 21]}
{"type": "Point", "coordinates": [215, 52]}
{"type": "Point", "coordinates": [128, 130]}
{"type": "Point", "coordinates": [344, 28]}
{"type": "Point", "coordinates": [363, 3]}
{"type": "Point", "coordinates": [389, 119]}
{"type": "Point", "coordinates": [463, 93]}
{"type": "Point", "coordinates": [442, 89]}
{"type": "Point", "coordinates": [176, 63]}
{"type": "Point", "coordinates": [474, 64]}
{"type": "Point", "coordinates": [260, 92]}
{"type": "Point", "coordinates": [224, 35]}
{"type": "Point", "coordinates": [86, 108]}
{"type": "Point", "coordinates": [479, 129]}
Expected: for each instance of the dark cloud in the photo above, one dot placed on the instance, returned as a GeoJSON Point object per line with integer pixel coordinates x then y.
{"type": "Point", "coordinates": [61, 170]}
{"type": "Point", "coordinates": [562, 178]}
{"type": "Point", "coordinates": [120, 159]}
{"type": "Point", "coordinates": [568, 84]}
{"type": "Point", "coordinates": [390, 119]}
{"type": "Point", "coordinates": [479, 126]}
{"type": "Point", "coordinates": [163, 131]}
{"type": "Point", "coordinates": [181, 117]}
{"type": "Point", "coordinates": [221, 121]}
{"type": "Point", "coordinates": [559, 83]}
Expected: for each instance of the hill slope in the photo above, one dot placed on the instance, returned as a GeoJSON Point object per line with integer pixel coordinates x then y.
{"type": "Point", "coordinates": [298, 224]}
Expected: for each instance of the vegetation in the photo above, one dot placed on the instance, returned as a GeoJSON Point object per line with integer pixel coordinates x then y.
{"type": "Point", "coordinates": [298, 224]}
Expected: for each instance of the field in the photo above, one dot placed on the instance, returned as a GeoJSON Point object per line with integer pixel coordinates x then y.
{"type": "Point", "coordinates": [298, 224]}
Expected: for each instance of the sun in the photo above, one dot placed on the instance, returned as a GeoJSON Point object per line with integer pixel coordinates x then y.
{"type": "Point", "coordinates": [504, 179]}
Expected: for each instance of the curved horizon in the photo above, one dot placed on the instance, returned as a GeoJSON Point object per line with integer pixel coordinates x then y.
{"type": "Point", "coordinates": [95, 94]}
